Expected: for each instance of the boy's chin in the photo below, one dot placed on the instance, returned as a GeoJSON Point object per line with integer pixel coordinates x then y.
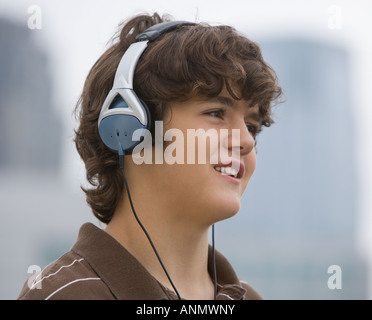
{"type": "Point", "coordinates": [226, 209]}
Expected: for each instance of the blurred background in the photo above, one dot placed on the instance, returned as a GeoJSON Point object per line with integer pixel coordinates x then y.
{"type": "Point", "coordinates": [308, 205]}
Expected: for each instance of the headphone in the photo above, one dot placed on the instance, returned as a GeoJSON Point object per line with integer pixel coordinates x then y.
{"type": "Point", "coordinates": [122, 112]}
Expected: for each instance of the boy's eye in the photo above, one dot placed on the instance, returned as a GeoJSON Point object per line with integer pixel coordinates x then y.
{"type": "Point", "coordinates": [254, 130]}
{"type": "Point", "coordinates": [216, 113]}
{"type": "Point", "coordinates": [219, 113]}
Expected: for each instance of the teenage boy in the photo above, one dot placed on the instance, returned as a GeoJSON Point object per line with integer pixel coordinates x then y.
{"type": "Point", "coordinates": [158, 212]}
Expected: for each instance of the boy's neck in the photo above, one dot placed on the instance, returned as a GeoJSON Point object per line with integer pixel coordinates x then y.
{"type": "Point", "coordinates": [182, 248]}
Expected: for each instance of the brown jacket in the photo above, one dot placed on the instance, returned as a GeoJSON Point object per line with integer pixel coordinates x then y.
{"type": "Point", "coordinates": [98, 268]}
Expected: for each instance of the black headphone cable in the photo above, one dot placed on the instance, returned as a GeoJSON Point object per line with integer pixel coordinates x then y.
{"type": "Point", "coordinates": [121, 161]}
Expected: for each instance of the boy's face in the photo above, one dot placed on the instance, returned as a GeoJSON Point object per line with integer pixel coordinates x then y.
{"type": "Point", "coordinates": [207, 191]}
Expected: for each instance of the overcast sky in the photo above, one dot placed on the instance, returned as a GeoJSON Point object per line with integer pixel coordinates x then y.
{"type": "Point", "coordinates": [75, 32]}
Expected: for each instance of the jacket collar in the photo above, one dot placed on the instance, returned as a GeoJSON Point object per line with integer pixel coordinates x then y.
{"type": "Point", "coordinates": [126, 277]}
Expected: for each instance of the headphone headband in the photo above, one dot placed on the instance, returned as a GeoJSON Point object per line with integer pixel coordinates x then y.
{"type": "Point", "coordinates": [157, 30]}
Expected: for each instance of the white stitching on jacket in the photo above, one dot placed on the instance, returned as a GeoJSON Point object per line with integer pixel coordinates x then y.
{"type": "Point", "coordinates": [67, 284]}
{"type": "Point", "coordinates": [52, 274]}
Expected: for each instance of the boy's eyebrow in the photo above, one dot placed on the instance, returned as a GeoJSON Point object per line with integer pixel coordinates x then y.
{"type": "Point", "coordinates": [224, 100]}
{"type": "Point", "coordinates": [255, 116]}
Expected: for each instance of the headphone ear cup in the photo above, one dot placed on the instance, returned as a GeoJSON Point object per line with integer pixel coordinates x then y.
{"type": "Point", "coordinates": [117, 129]}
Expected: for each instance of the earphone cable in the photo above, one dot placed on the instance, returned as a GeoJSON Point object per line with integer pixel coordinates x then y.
{"type": "Point", "coordinates": [121, 161]}
{"type": "Point", "coordinates": [214, 264]}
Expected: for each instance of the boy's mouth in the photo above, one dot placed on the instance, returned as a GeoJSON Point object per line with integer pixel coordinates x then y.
{"type": "Point", "coordinates": [233, 169]}
{"type": "Point", "coordinates": [228, 171]}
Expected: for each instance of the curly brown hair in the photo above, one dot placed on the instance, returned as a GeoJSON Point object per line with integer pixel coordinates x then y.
{"type": "Point", "coordinates": [199, 60]}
